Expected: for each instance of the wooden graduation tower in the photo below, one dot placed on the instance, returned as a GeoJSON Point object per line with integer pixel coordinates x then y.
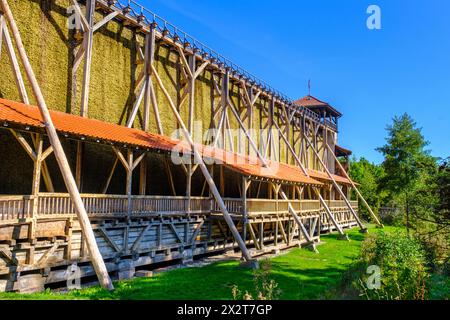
{"type": "Point", "coordinates": [175, 151]}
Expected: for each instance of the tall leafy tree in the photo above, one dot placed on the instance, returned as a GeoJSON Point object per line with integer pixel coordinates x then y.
{"type": "Point", "coordinates": [368, 175]}
{"type": "Point", "coordinates": [405, 160]}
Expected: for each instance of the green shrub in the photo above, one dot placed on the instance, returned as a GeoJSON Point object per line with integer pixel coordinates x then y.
{"type": "Point", "coordinates": [402, 264]}
{"type": "Point", "coordinates": [265, 288]}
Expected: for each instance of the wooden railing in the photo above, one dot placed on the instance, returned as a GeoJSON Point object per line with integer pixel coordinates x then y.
{"type": "Point", "coordinates": [95, 204]}
{"type": "Point", "coordinates": [280, 206]}
{"type": "Point", "coordinates": [234, 206]}
{"type": "Point", "coordinates": [341, 203]}
{"type": "Point", "coordinates": [48, 204]}
{"type": "Point", "coordinates": [15, 207]}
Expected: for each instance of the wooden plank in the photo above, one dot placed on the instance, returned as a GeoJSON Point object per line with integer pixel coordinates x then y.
{"type": "Point", "coordinates": [108, 239]}
{"type": "Point", "coordinates": [253, 236]}
{"type": "Point", "coordinates": [105, 20]}
{"type": "Point", "coordinates": [111, 173]}
{"type": "Point", "coordinates": [175, 232]}
{"type": "Point", "coordinates": [61, 158]}
{"type": "Point", "coordinates": [137, 242]}
{"type": "Point", "coordinates": [89, 34]}
{"type": "Point", "coordinates": [43, 259]}
{"type": "Point", "coordinates": [15, 65]}
{"type": "Point", "coordinates": [24, 143]}
{"type": "Point", "coordinates": [8, 256]}
{"type": "Point", "coordinates": [196, 232]}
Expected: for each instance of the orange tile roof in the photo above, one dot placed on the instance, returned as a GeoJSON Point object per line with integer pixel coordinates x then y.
{"type": "Point", "coordinates": [320, 175]}
{"type": "Point", "coordinates": [310, 101]}
{"type": "Point", "coordinates": [26, 115]}
{"type": "Point", "coordinates": [251, 165]}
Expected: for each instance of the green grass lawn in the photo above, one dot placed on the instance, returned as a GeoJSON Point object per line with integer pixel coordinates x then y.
{"type": "Point", "coordinates": [300, 274]}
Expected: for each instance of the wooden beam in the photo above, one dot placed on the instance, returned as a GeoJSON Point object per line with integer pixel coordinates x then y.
{"type": "Point", "coordinates": [43, 259]}
{"type": "Point", "coordinates": [24, 143]}
{"type": "Point", "coordinates": [84, 22]}
{"type": "Point", "coordinates": [356, 189]}
{"type": "Point", "coordinates": [200, 69]}
{"type": "Point", "coordinates": [46, 153]}
{"type": "Point", "coordinates": [105, 20]}
{"type": "Point", "coordinates": [121, 157]}
{"type": "Point", "coordinates": [135, 108]}
{"type": "Point", "coordinates": [14, 64]}
{"type": "Point", "coordinates": [363, 228]}
{"type": "Point", "coordinates": [37, 167]}
{"type": "Point", "coordinates": [204, 169]}
{"type": "Point", "coordinates": [89, 34]}
{"type": "Point", "coordinates": [2, 25]}
{"type": "Point", "coordinates": [135, 246]}
{"type": "Point", "coordinates": [45, 172]}
{"type": "Point", "coordinates": [108, 180]}
{"type": "Point", "coordinates": [108, 239]}
{"type": "Point", "coordinates": [8, 256]}
{"type": "Point", "coordinates": [79, 57]}
{"type": "Point", "coordinates": [252, 143]}
{"type": "Point", "coordinates": [253, 236]}
{"type": "Point", "coordinates": [79, 164]}
{"type": "Point", "coordinates": [322, 201]}
{"type": "Point", "coordinates": [85, 225]}
{"type": "Point", "coordinates": [185, 63]}
{"type": "Point", "coordinates": [139, 159]}
{"type": "Point", "coordinates": [196, 232]}
{"type": "Point", "coordinates": [174, 229]}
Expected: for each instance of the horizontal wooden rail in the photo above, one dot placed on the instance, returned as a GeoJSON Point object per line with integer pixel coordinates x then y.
{"type": "Point", "coordinates": [48, 204]}
{"type": "Point", "coordinates": [15, 207]}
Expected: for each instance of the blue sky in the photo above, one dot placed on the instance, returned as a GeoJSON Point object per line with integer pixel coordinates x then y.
{"type": "Point", "coordinates": [369, 75]}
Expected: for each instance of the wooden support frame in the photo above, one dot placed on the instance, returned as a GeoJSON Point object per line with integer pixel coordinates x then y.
{"type": "Point", "coordinates": [291, 209]}
{"type": "Point", "coordinates": [69, 180]}
{"type": "Point", "coordinates": [362, 227]}
{"type": "Point", "coordinates": [204, 170]}
{"type": "Point", "coordinates": [129, 163]}
{"type": "Point", "coordinates": [322, 201]}
{"type": "Point", "coordinates": [354, 187]}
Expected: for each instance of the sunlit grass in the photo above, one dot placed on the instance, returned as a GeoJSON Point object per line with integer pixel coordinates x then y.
{"type": "Point", "coordinates": [300, 274]}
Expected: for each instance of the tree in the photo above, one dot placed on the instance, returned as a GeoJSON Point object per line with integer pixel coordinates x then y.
{"type": "Point", "coordinates": [405, 160]}
{"type": "Point", "coordinates": [430, 213]}
{"type": "Point", "coordinates": [368, 176]}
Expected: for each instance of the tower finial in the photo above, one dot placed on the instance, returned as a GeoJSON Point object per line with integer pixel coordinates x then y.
{"type": "Point", "coordinates": [309, 87]}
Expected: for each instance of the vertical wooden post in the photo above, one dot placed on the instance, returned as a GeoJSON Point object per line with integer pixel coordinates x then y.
{"type": "Point", "coordinates": [149, 57]}
{"type": "Point", "coordinates": [224, 104]}
{"type": "Point", "coordinates": [143, 177]}
{"type": "Point", "coordinates": [96, 258]}
{"type": "Point", "coordinates": [79, 164]}
{"type": "Point", "coordinates": [129, 180]}
{"type": "Point", "coordinates": [244, 188]}
{"type": "Point", "coordinates": [89, 34]}
{"type": "Point", "coordinates": [222, 181]}
{"type": "Point", "coordinates": [35, 185]}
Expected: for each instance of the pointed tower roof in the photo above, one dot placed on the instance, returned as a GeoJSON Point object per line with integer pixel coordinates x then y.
{"type": "Point", "coordinates": [317, 105]}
